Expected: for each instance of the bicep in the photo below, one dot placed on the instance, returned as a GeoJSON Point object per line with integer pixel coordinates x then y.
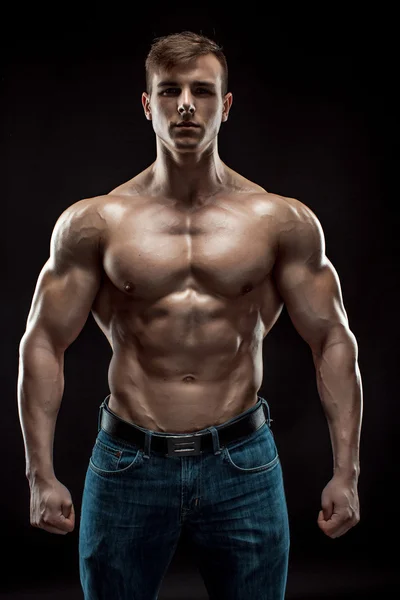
{"type": "Point", "coordinates": [61, 306]}
{"type": "Point", "coordinates": [308, 282]}
{"type": "Point", "coordinates": [313, 298]}
{"type": "Point", "coordinates": [67, 284]}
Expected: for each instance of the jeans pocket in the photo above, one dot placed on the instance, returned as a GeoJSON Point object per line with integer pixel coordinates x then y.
{"type": "Point", "coordinates": [257, 452]}
{"type": "Point", "coordinates": [113, 459]}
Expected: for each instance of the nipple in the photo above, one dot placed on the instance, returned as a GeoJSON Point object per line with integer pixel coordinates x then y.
{"type": "Point", "coordinates": [247, 288]}
{"type": "Point", "coordinates": [128, 286]}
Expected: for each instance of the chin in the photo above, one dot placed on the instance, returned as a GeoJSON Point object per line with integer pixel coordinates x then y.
{"type": "Point", "coordinates": [187, 147]}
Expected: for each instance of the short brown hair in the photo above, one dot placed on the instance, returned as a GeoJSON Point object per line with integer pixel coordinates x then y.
{"type": "Point", "coordinates": [180, 49]}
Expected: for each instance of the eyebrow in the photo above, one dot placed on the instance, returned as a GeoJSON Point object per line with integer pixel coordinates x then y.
{"type": "Point", "coordinates": [175, 83]}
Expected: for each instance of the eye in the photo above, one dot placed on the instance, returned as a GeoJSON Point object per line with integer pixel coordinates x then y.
{"type": "Point", "coordinates": [199, 90]}
{"type": "Point", "coordinates": [169, 91]}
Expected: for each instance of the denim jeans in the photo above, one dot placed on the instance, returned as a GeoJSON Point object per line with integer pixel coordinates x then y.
{"type": "Point", "coordinates": [230, 501]}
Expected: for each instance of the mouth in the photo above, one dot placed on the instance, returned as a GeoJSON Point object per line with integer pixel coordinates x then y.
{"type": "Point", "coordinates": [187, 124]}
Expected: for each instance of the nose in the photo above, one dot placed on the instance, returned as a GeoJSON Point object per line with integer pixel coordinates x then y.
{"type": "Point", "coordinates": [185, 104]}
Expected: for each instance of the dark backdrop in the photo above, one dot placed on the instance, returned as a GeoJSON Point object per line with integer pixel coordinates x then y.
{"type": "Point", "coordinates": [311, 116]}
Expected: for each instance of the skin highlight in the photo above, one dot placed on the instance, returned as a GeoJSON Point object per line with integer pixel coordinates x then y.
{"type": "Point", "coordinates": [186, 267]}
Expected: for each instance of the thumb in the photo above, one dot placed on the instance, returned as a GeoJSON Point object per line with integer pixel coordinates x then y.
{"type": "Point", "coordinates": [327, 509]}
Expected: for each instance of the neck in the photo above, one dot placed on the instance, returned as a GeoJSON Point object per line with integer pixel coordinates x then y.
{"type": "Point", "coordinates": [187, 177]}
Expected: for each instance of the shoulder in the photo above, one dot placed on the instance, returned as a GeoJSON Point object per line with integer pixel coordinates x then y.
{"type": "Point", "coordinates": [81, 224]}
{"type": "Point", "coordinates": [86, 209]}
{"type": "Point", "coordinates": [295, 215]}
{"type": "Point", "coordinates": [299, 231]}
{"type": "Point", "coordinates": [289, 214]}
{"type": "Point", "coordinates": [290, 210]}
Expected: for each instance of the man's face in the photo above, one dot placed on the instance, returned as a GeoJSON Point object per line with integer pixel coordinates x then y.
{"type": "Point", "coordinates": [188, 93]}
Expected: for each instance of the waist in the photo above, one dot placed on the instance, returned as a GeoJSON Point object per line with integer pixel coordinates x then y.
{"type": "Point", "coordinates": [182, 408]}
{"type": "Point", "coordinates": [185, 444]}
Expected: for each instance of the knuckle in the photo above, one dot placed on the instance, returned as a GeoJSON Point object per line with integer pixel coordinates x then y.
{"type": "Point", "coordinates": [47, 522]}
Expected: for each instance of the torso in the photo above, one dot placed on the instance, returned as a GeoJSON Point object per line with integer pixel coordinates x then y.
{"type": "Point", "coordinates": [186, 300]}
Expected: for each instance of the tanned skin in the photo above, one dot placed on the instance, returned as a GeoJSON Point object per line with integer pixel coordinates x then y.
{"type": "Point", "coordinates": [186, 268]}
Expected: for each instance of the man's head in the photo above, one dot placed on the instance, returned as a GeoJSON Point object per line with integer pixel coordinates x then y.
{"type": "Point", "coordinates": [186, 80]}
{"type": "Point", "coordinates": [178, 50]}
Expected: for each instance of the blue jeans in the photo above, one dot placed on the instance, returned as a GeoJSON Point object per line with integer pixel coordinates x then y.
{"type": "Point", "coordinates": [230, 500]}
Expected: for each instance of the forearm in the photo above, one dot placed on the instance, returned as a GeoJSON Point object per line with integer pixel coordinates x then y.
{"type": "Point", "coordinates": [340, 389]}
{"type": "Point", "coordinates": [40, 390]}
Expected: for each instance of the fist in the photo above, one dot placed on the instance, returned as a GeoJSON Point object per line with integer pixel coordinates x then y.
{"type": "Point", "coordinates": [340, 507]}
{"type": "Point", "coordinates": [51, 507]}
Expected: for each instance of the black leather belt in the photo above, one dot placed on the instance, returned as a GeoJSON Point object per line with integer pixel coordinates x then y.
{"type": "Point", "coordinates": [184, 444]}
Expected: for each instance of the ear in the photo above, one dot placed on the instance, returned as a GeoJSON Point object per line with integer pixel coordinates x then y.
{"type": "Point", "coordinates": [146, 105]}
{"type": "Point", "coordinates": [227, 106]}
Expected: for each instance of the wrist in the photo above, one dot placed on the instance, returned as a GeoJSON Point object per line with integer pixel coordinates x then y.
{"type": "Point", "coordinates": [40, 476]}
{"type": "Point", "coordinates": [350, 473]}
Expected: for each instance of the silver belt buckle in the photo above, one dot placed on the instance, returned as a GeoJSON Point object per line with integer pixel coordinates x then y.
{"type": "Point", "coordinates": [183, 445]}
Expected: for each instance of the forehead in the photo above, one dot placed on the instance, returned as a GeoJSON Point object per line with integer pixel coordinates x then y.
{"type": "Point", "coordinates": [202, 68]}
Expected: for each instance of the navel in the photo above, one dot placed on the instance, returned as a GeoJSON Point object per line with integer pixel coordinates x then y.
{"type": "Point", "coordinates": [188, 379]}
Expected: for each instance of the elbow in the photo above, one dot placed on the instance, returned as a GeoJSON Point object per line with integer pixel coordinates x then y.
{"type": "Point", "coordinates": [340, 350]}
{"type": "Point", "coordinates": [338, 341]}
{"type": "Point", "coordinates": [33, 342]}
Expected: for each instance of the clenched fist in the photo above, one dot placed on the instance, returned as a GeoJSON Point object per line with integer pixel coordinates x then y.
{"type": "Point", "coordinates": [51, 507]}
{"type": "Point", "coordinates": [340, 507]}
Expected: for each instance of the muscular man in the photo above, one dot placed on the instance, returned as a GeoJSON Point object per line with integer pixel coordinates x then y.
{"type": "Point", "coordinates": [186, 268]}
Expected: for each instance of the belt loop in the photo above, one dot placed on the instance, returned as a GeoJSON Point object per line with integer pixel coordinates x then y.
{"type": "Point", "coordinates": [147, 444]}
{"type": "Point", "coordinates": [99, 417]}
{"type": "Point", "coordinates": [266, 411]}
{"type": "Point", "coordinates": [215, 439]}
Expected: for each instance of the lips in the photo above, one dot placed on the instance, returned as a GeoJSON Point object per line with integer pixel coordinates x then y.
{"type": "Point", "coordinates": [187, 124]}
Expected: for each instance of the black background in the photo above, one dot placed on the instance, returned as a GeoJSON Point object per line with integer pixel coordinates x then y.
{"type": "Point", "coordinates": [312, 118]}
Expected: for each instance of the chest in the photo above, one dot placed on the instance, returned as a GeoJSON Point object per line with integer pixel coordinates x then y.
{"type": "Point", "coordinates": [218, 250]}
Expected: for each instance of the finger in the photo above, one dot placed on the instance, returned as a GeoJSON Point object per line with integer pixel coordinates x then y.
{"type": "Point", "coordinates": [67, 516]}
{"type": "Point", "coordinates": [335, 527]}
{"type": "Point", "coordinates": [332, 532]}
{"type": "Point", "coordinates": [329, 524]}
{"type": "Point", "coordinates": [345, 527]}
{"type": "Point", "coordinates": [72, 515]}
{"type": "Point", "coordinates": [325, 527]}
{"type": "Point", "coordinates": [68, 524]}
{"type": "Point", "coordinates": [327, 509]}
{"type": "Point", "coordinates": [51, 529]}
{"type": "Point", "coordinates": [333, 520]}
{"type": "Point", "coordinates": [321, 516]}
{"type": "Point", "coordinates": [56, 522]}
{"type": "Point", "coordinates": [67, 510]}
{"type": "Point", "coordinates": [340, 532]}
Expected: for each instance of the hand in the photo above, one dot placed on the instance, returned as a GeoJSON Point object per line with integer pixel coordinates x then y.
{"type": "Point", "coordinates": [340, 506]}
{"type": "Point", "coordinates": [51, 507]}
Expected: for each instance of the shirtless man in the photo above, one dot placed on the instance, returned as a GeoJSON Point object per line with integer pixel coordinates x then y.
{"type": "Point", "coordinates": [186, 268]}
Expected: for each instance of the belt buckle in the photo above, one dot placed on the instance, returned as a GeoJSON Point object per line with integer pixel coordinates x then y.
{"type": "Point", "coordinates": [183, 445]}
